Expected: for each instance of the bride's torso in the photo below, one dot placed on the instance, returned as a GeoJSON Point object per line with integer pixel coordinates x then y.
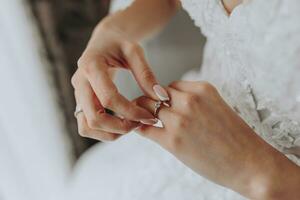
{"type": "Point", "coordinates": [253, 57]}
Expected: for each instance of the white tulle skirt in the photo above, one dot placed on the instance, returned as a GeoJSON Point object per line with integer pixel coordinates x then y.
{"type": "Point", "coordinates": [135, 168]}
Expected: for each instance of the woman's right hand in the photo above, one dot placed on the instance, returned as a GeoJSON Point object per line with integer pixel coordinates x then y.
{"type": "Point", "coordinates": [107, 51]}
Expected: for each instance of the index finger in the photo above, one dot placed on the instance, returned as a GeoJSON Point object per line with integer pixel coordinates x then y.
{"type": "Point", "coordinates": [108, 94]}
{"type": "Point", "coordinates": [140, 68]}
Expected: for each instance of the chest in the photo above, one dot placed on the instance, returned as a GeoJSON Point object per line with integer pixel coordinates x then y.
{"type": "Point", "coordinates": [229, 5]}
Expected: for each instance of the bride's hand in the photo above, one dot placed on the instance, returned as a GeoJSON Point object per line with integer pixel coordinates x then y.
{"type": "Point", "coordinates": [108, 50]}
{"type": "Point", "coordinates": [202, 131]}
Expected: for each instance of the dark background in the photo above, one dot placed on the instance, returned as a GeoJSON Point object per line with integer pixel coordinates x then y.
{"type": "Point", "coordinates": [66, 27]}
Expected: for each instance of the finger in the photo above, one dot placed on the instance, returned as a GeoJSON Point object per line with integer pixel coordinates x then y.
{"type": "Point", "coordinates": [109, 123]}
{"type": "Point", "coordinates": [85, 131]}
{"type": "Point", "coordinates": [176, 98]}
{"type": "Point", "coordinates": [155, 134]}
{"type": "Point", "coordinates": [149, 104]}
{"type": "Point", "coordinates": [195, 87]}
{"type": "Point", "coordinates": [85, 97]}
{"type": "Point", "coordinates": [96, 117]}
{"type": "Point", "coordinates": [140, 69]}
{"type": "Point", "coordinates": [109, 96]}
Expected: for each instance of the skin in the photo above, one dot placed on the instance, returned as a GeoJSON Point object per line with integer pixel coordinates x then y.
{"type": "Point", "coordinates": [229, 5]}
{"type": "Point", "coordinates": [202, 131]}
{"type": "Point", "coordinates": [114, 45]}
{"type": "Point", "coordinates": [207, 140]}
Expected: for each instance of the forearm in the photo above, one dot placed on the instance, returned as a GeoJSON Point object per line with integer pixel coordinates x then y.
{"type": "Point", "coordinates": [283, 182]}
{"type": "Point", "coordinates": [271, 176]}
{"type": "Point", "coordinates": [142, 18]}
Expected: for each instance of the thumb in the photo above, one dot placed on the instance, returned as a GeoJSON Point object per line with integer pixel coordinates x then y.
{"type": "Point", "coordinates": [143, 74]}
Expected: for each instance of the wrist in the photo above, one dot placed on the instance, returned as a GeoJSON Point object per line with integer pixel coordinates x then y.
{"type": "Point", "coordinates": [266, 173]}
{"type": "Point", "coordinates": [280, 179]}
{"type": "Point", "coordinates": [110, 25]}
{"type": "Point", "coordinates": [130, 23]}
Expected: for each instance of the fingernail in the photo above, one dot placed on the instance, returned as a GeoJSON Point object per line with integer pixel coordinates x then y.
{"type": "Point", "coordinates": [161, 93]}
{"type": "Point", "coordinates": [136, 128]}
{"type": "Point", "coordinates": [149, 121]}
{"type": "Point", "coordinates": [167, 104]}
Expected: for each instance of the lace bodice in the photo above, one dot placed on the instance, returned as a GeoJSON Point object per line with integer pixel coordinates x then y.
{"type": "Point", "coordinates": [253, 57]}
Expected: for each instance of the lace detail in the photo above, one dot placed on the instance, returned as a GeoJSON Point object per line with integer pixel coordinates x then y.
{"type": "Point", "coordinates": [242, 49]}
{"type": "Point", "coordinates": [252, 56]}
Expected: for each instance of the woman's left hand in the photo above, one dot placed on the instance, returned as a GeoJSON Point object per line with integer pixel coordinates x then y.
{"type": "Point", "coordinates": [202, 131]}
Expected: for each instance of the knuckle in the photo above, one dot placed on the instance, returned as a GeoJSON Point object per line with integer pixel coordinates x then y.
{"type": "Point", "coordinates": [132, 48]}
{"type": "Point", "coordinates": [83, 132]}
{"type": "Point", "coordinates": [74, 80]}
{"type": "Point", "coordinates": [174, 143]}
{"type": "Point", "coordinates": [126, 128]}
{"type": "Point", "coordinates": [90, 66]}
{"type": "Point", "coordinates": [110, 97]}
{"type": "Point", "coordinates": [89, 63]}
{"type": "Point", "coordinates": [80, 61]}
{"type": "Point", "coordinates": [206, 88]}
{"type": "Point", "coordinates": [190, 100]}
{"type": "Point", "coordinates": [181, 122]}
{"type": "Point", "coordinates": [86, 58]}
{"type": "Point", "coordinates": [174, 83]}
{"type": "Point", "coordinates": [107, 101]}
{"type": "Point", "coordinates": [93, 122]}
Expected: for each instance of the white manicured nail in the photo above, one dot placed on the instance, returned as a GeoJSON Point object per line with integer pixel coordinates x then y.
{"type": "Point", "coordinates": [149, 121]}
{"type": "Point", "coordinates": [167, 104]}
{"type": "Point", "coordinates": [161, 93]}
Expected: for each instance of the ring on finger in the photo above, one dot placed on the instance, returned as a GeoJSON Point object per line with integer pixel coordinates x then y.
{"type": "Point", "coordinates": [158, 105]}
{"type": "Point", "coordinates": [78, 110]}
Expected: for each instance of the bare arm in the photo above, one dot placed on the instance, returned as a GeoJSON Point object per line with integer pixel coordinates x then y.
{"type": "Point", "coordinates": [141, 18]}
{"type": "Point", "coordinates": [208, 140]}
{"type": "Point", "coordinates": [114, 45]}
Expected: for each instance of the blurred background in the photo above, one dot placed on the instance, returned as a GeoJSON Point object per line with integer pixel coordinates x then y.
{"type": "Point", "coordinates": [40, 42]}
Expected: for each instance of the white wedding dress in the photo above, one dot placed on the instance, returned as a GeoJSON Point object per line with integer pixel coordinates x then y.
{"type": "Point", "coordinates": [253, 57]}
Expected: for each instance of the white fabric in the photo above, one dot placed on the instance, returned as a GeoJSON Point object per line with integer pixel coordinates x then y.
{"type": "Point", "coordinates": [134, 168]}
{"type": "Point", "coordinates": [253, 58]}
{"type": "Point", "coordinates": [35, 155]}
{"type": "Point", "coordinates": [119, 4]}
